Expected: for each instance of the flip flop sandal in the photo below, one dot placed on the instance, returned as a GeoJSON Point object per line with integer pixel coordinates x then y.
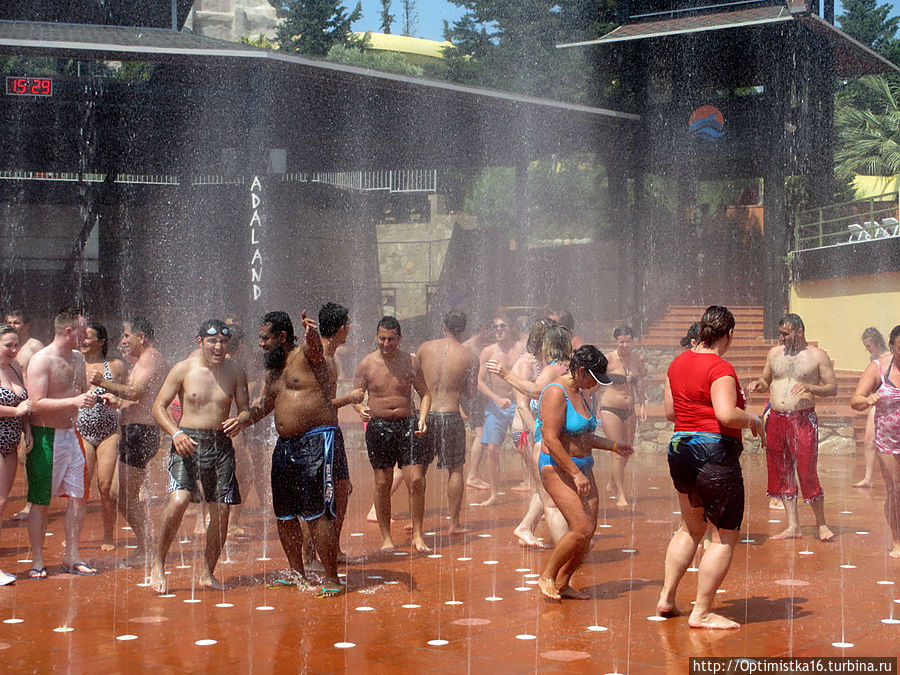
{"type": "Point", "coordinates": [82, 569]}
{"type": "Point", "coordinates": [39, 573]}
{"type": "Point", "coordinates": [328, 592]}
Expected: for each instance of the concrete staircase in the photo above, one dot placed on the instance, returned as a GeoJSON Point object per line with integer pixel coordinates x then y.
{"type": "Point", "coordinates": [748, 356]}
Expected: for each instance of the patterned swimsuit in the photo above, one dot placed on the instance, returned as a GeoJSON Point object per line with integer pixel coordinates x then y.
{"type": "Point", "coordinates": [887, 414]}
{"type": "Point", "coordinates": [96, 424]}
{"type": "Point", "coordinates": [10, 427]}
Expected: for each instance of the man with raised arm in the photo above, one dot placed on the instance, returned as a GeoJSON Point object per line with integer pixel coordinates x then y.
{"type": "Point", "coordinates": [501, 407]}
{"type": "Point", "coordinates": [55, 463]}
{"type": "Point", "coordinates": [794, 375]}
{"type": "Point", "coordinates": [451, 374]}
{"type": "Point", "coordinates": [206, 383]}
{"type": "Point", "coordinates": [309, 458]}
{"type": "Point", "coordinates": [393, 432]}
{"type": "Point", "coordinates": [139, 434]}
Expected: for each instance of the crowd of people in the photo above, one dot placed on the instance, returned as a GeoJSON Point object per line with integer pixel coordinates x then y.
{"type": "Point", "coordinates": [80, 417]}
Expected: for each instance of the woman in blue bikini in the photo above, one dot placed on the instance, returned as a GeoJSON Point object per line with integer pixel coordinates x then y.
{"type": "Point", "coordinates": [565, 463]}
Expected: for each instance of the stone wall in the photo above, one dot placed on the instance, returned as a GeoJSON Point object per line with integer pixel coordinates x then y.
{"type": "Point", "coordinates": [232, 19]}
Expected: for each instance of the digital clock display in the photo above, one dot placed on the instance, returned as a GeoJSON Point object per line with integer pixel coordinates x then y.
{"type": "Point", "coordinates": [29, 86]}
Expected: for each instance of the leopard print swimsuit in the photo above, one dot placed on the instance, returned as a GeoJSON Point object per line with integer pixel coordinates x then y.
{"type": "Point", "coordinates": [96, 424]}
{"type": "Point", "coordinates": [11, 427]}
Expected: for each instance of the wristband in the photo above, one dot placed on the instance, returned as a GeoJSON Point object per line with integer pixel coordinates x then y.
{"type": "Point", "coordinates": [180, 431]}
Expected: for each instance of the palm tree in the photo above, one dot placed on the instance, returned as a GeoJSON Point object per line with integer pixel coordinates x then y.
{"type": "Point", "coordinates": [868, 135]}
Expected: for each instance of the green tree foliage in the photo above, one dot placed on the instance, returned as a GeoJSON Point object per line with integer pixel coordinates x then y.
{"type": "Point", "coordinates": [259, 41]}
{"type": "Point", "coordinates": [872, 25]}
{"type": "Point", "coordinates": [511, 44]}
{"type": "Point", "coordinates": [869, 138]}
{"type": "Point", "coordinates": [312, 27]}
{"type": "Point", "coordinates": [387, 61]}
{"type": "Point", "coordinates": [386, 17]}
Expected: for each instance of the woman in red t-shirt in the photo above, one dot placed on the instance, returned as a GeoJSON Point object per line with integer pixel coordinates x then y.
{"type": "Point", "coordinates": [705, 401]}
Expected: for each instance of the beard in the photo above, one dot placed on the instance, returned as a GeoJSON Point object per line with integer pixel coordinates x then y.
{"type": "Point", "coordinates": [274, 358]}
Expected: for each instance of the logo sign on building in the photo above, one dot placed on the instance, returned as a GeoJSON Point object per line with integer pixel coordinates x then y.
{"type": "Point", "coordinates": [707, 123]}
{"type": "Point", "coordinates": [255, 239]}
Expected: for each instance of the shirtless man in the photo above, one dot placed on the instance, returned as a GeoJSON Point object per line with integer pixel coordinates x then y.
{"type": "Point", "coordinates": [30, 346]}
{"type": "Point", "coordinates": [794, 375]}
{"type": "Point", "coordinates": [392, 434]}
{"type": "Point", "coordinates": [55, 464]}
{"type": "Point", "coordinates": [334, 327]}
{"type": "Point", "coordinates": [309, 458]}
{"type": "Point", "coordinates": [139, 434]}
{"type": "Point", "coordinates": [474, 407]}
{"type": "Point", "coordinates": [206, 383]}
{"type": "Point", "coordinates": [501, 407]}
{"type": "Point", "coordinates": [451, 374]}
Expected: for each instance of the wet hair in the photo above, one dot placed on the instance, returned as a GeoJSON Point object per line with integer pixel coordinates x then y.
{"type": "Point", "coordinates": [588, 356]}
{"type": "Point", "coordinates": [140, 324]}
{"type": "Point", "coordinates": [895, 333]}
{"type": "Point", "coordinates": [6, 328]}
{"type": "Point", "coordinates": [332, 317]}
{"type": "Point", "coordinates": [212, 327]}
{"type": "Point", "coordinates": [566, 320]}
{"type": "Point", "coordinates": [693, 333]}
{"type": "Point", "coordinates": [279, 322]}
{"type": "Point", "coordinates": [455, 322]}
{"type": "Point", "coordinates": [557, 344]}
{"type": "Point", "coordinates": [622, 330]}
{"type": "Point", "coordinates": [792, 320]}
{"type": "Point", "coordinates": [20, 314]}
{"type": "Point", "coordinates": [66, 317]}
{"type": "Point", "coordinates": [102, 334]}
{"type": "Point", "coordinates": [873, 334]}
{"type": "Point", "coordinates": [536, 336]}
{"type": "Point", "coordinates": [390, 323]}
{"type": "Point", "coordinates": [715, 324]}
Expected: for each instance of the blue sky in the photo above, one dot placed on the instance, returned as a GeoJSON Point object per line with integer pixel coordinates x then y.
{"type": "Point", "coordinates": [432, 14]}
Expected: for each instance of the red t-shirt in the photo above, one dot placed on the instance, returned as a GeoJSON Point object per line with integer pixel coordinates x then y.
{"type": "Point", "coordinates": [690, 376]}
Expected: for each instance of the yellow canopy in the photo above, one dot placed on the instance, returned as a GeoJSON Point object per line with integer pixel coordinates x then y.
{"type": "Point", "coordinates": [874, 186]}
{"type": "Point", "coordinates": [417, 50]}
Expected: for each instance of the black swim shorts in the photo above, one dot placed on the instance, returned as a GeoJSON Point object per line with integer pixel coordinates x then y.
{"type": "Point", "coordinates": [139, 444]}
{"type": "Point", "coordinates": [707, 468]}
{"type": "Point", "coordinates": [393, 442]}
{"type": "Point", "coordinates": [446, 439]}
{"type": "Point", "coordinates": [474, 410]}
{"type": "Point", "coordinates": [304, 471]}
{"type": "Point", "coordinates": [212, 464]}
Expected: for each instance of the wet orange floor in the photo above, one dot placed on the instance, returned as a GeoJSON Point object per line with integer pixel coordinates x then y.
{"type": "Point", "coordinates": [476, 595]}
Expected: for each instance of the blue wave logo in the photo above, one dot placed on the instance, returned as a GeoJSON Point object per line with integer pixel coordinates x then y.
{"type": "Point", "coordinates": [707, 123]}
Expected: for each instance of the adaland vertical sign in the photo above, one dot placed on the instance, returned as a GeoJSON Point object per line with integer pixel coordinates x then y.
{"type": "Point", "coordinates": [255, 239]}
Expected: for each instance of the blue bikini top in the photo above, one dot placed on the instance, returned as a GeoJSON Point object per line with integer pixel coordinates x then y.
{"type": "Point", "coordinates": [576, 423]}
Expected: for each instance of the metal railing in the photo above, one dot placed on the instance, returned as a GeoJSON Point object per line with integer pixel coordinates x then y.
{"type": "Point", "coordinates": [847, 222]}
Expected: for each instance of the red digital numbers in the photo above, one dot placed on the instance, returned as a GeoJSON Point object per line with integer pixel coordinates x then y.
{"type": "Point", "coordinates": [29, 86]}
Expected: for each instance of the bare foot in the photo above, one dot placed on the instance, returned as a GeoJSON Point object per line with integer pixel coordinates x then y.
{"type": "Point", "coordinates": [567, 591]}
{"type": "Point", "coordinates": [370, 516]}
{"type": "Point", "coordinates": [522, 487]}
{"type": "Point", "coordinates": [210, 582]}
{"type": "Point", "coordinates": [789, 533]}
{"type": "Point", "coordinates": [712, 620]}
{"type": "Point", "coordinates": [825, 534]}
{"type": "Point", "coordinates": [477, 484]}
{"type": "Point", "coordinates": [387, 545]}
{"type": "Point", "coordinates": [527, 538]}
{"type": "Point", "coordinates": [457, 529]}
{"type": "Point", "coordinates": [108, 546]}
{"type": "Point", "coordinates": [420, 545]}
{"type": "Point", "coordinates": [667, 609]}
{"type": "Point", "coordinates": [548, 588]}
{"type": "Point", "coordinates": [490, 501]}
{"type": "Point", "coordinates": [158, 581]}
{"type": "Point", "coordinates": [775, 503]}
{"type": "Point", "coordinates": [895, 551]}
{"type": "Point", "coordinates": [621, 501]}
